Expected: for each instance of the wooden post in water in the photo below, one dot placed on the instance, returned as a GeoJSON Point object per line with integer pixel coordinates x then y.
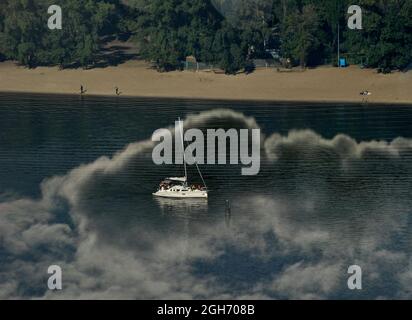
{"type": "Point", "coordinates": [228, 213]}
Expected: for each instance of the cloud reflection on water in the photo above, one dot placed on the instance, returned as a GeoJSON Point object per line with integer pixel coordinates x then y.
{"type": "Point", "coordinates": [317, 206]}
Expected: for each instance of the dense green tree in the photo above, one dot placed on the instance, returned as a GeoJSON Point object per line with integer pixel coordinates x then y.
{"type": "Point", "coordinates": [84, 22]}
{"type": "Point", "coordinates": [332, 20]}
{"type": "Point", "coordinates": [309, 30]}
{"type": "Point", "coordinates": [25, 37]}
{"type": "Point", "coordinates": [300, 34]}
{"type": "Point", "coordinates": [386, 38]}
{"type": "Point", "coordinates": [2, 18]}
{"type": "Point", "coordinates": [226, 33]}
{"type": "Point", "coordinates": [171, 30]}
{"type": "Point", "coordinates": [257, 23]}
{"type": "Point", "coordinates": [20, 38]}
{"type": "Point", "coordinates": [230, 53]}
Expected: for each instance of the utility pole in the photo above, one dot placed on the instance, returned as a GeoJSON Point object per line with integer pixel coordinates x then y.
{"type": "Point", "coordinates": [338, 45]}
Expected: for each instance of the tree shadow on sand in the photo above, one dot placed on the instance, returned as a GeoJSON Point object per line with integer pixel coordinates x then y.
{"type": "Point", "coordinates": [116, 52]}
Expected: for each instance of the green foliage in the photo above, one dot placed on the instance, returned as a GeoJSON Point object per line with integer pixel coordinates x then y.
{"type": "Point", "coordinates": [386, 39]}
{"type": "Point", "coordinates": [20, 38]}
{"type": "Point", "coordinates": [171, 30]}
{"type": "Point", "coordinates": [25, 37]}
{"type": "Point", "coordinates": [228, 50]}
{"type": "Point", "coordinates": [226, 33]}
{"type": "Point", "coordinates": [300, 35]}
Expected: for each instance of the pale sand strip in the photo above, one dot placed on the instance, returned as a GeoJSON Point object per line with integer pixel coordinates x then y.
{"type": "Point", "coordinates": [134, 78]}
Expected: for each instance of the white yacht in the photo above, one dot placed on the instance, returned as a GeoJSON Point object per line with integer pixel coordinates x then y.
{"type": "Point", "coordinates": [179, 187]}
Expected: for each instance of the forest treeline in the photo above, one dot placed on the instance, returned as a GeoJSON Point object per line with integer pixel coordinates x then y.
{"type": "Point", "coordinates": [226, 33]}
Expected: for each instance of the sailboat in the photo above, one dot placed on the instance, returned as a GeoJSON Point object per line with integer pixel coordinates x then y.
{"type": "Point", "coordinates": [179, 187]}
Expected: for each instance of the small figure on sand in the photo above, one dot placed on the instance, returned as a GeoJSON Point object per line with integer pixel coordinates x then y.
{"type": "Point", "coordinates": [82, 90]}
{"type": "Point", "coordinates": [365, 94]}
{"type": "Point", "coordinates": [118, 93]}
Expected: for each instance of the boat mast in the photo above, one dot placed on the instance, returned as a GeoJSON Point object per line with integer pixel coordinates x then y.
{"type": "Point", "coordinates": [201, 176]}
{"type": "Point", "coordinates": [184, 153]}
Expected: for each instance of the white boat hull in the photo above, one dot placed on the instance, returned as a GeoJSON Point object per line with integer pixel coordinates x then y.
{"type": "Point", "coordinates": [181, 195]}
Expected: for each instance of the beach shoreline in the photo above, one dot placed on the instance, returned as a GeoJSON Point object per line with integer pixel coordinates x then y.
{"type": "Point", "coordinates": [136, 79]}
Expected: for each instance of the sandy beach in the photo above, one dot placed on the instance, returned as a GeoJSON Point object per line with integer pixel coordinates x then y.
{"type": "Point", "coordinates": [136, 78]}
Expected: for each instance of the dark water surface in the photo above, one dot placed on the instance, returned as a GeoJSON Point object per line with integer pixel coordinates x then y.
{"type": "Point", "coordinates": [334, 190]}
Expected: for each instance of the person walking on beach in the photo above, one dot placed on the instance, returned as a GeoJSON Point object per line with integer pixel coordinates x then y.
{"type": "Point", "coordinates": [118, 93]}
{"type": "Point", "coordinates": [82, 90]}
{"type": "Point", "coordinates": [365, 94]}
